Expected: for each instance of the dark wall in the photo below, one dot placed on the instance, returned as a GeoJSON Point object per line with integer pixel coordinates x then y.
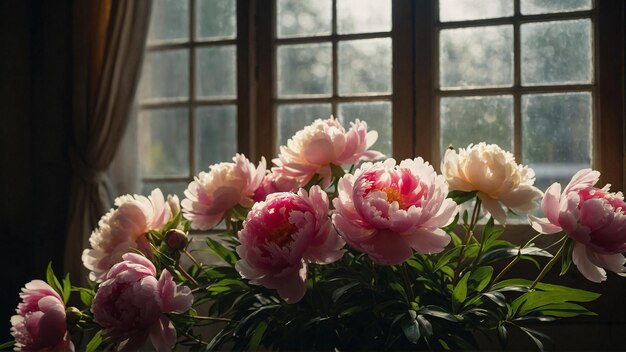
{"type": "Point", "coordinates": [35, 115]}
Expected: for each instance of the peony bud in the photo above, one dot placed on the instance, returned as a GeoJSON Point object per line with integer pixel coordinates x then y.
{"type": "Point", "coordinates": [73, 315]}
{"type": "Point", "coordinates": [176, 239]}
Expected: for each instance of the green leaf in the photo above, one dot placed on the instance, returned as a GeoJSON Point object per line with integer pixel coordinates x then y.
{"type": "Point", "coordinates": [479, 278]}
{"type": "Point", "coordinates": [399, 289]}
{"type": "Point", "coordinates": [86, 295]}
{"type": "Point", "coordinates": [459, 294]}
{"type": "Point", "coordinates": [446, 258]}
{"type": "Point", "coordinates": [6, 345]}
{"type": "Point", "coordinates": [67, 287]}
{"type": "Point", "coordinates": [565, 310]}
{"type": "Point", "coordinates": [497, 297]}
{"type": "Point", "coordinates": [411, 330]}
{"type": "Point", "coordinates": [566, 257]}
{"type": "Point", "coordinates": [342, 290]}
{"type": "Point", "coordinates": [438, 312]}
{"type": "Point", "coordinates": [95, 342]}
{"type": "Point", "coordinates": [534, 335]}
{"type": "Point", "coordinates": [257, 335]}
{"type": "Point", "coordinates": [535, 300]}
{"type": "Point", "coordinates": [425, 324]}
{"type": "Point", "coordinates": [222, 252]}
{"type": "Point", "coordinates": [53, 281]}
{"type": "Point", "coordinates": [503, 335]}
{"type": "Point", "coordinates": [460, 197]}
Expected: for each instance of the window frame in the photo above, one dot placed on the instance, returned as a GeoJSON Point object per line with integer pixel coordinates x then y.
{"type": "Point", "coordinates": [414, 98]}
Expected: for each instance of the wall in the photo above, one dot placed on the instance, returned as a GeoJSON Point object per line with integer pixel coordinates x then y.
{"type": "Point", "coordinates": [35, 114]}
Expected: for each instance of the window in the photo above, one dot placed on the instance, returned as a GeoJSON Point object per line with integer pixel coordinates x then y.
{"type": "Point", "coordinates": [188, 92]}
{"type": "Point", "coordinates": [543, 79]}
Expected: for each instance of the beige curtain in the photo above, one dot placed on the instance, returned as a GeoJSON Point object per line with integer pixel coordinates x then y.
{"type": "Point", "coordinates": [109, 41]}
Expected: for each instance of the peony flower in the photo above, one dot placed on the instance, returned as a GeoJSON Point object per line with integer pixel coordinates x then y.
{"type": "Point", "coordinates": [274, 183]}
{"type": "Point", "coordinates": [594, 218]}
{"type": "Point", "coordinates": [388, 210]}
{"type": "Point", "coordinates": [282, 234]}
{"type": "Point", "coordinates": [40, 321]}
{"type": "Point", "coordinates": [130, 304]}
{"type": "Point", "coordinates": [123, 229]}
{"type": "Point", "coordinates": [224, 187]}
{"type": "Point", "coordinates": [311, 150]}
{"type": "Point", "coordinates": [493, 172]}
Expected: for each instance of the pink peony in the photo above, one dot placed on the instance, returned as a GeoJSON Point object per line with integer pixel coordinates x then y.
{"type": "Point", "coordinates": [274, 183]}
{"type": "Point", "coordinates": [224, 187]}
{"type": "Point", "coordinates": [40, 321]}
{"type": "Point", "coordinates": [282, 234]}
{"type": "Point", "coordinates": [130, 304]}
{"type": "Point", "coordinates": [123, 229]}
{"type": "Point", "coordinates": [493, 172]}
{"type": "Point", "coordinates": [595, 218]}
{"type": "Point", "coordinates": [311, 150]}
{"type": "Point", "coordinates": [387, 210]}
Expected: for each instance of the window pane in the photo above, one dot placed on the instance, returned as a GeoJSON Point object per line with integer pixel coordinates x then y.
{"type": "Point", "coordinates": [531, 7]}
{"type": "Point", "coordinates": [165, 75]}
{"type": "Point", "coordinates": [302, 18]}
{"type": "Point", "coordinates": [169, 20]}
{"type": "Point", "coordinates": [476, 57]}
{"type": "Point", "coordinates": [463, 10]}
{"type": "Point", "coordinates": [363, 16]}
{"type": "Point", "coordinates": [304, 69]}
{"type": "Point", "coordinates": [163, 136]}
{"type": "Point", "coordinates": [216, 77]}
{"type": "Point", "coordinates": [216, 135]}
{"type": "Point", "coordinates": [556, 52]}
{"type": "Point", "coordinates": [365, 66]}
{"type": "Point", "coordinates": [556, 135]}
{"type": "Point", "coordinates": [216, 19]}
{"type": "Point", "coordinates": [173, 187]}
{"type": "Point", "coordinates": [378, 118]}
{"type": "Point", "coordinates": [292, 118]}
{"type": "Point", "coordinates": [476, 119]}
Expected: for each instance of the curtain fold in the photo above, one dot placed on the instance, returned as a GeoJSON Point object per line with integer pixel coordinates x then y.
{"type": "Point", "coordinates": [109, 41]}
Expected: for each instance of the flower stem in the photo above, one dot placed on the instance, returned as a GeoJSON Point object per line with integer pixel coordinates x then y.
{"type": "Point", "coordinates": [548, 266]}
{"type": "Point", "coordinates": [407, 282]}
{"type": "Point", "coordinates": [186, 274]}
{"type": "Point", "coordinates": [200, 317]}
{"type": "Point", "coordinates": [469, 233]}
{"type": "Point", "coordinates": [512, 263]}
{"type": "Point", "coordinates": [191, 257]}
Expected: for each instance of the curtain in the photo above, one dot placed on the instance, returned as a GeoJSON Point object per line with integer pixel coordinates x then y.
{"type": "Point", "coordinates": [109, 42]}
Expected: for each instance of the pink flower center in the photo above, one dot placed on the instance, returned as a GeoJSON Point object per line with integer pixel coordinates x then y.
{"type": "Point", "coordinates": [592, 192]}
{"type": "Point", "coordinates": [282, 235]}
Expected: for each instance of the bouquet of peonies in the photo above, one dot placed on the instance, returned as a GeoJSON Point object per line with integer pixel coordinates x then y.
{"type": "Point", "coordinates": [380, 256]}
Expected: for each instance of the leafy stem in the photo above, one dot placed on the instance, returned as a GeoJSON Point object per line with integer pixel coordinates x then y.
{"type": "Point", "coordinates": [469, 234]}
{"type": "Point", "coordinates": [549, 265]}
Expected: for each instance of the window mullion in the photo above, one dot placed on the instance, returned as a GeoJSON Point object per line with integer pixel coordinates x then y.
{"type": "Point", "coordinates": [192, 88]}
{"type": "Point", "coordinates": [335, 58]}
{"type": "Point", "coordinates": [517, 99]}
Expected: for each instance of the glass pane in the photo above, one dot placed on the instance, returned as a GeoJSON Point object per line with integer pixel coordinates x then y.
{"type": "Point", "coordinates": [476, 57]}
{"type": "Point", "coordinates": [476, 119]}
{"type": "Point", "coordinates": [378, 118]}
{"type": "Point", "coordinates": [556, 135]}
{"type": "Point", "coordinates": [217, 73]}
{"type": "Point", "coordinates": [363, 16]}
{"type": "Point", "coordinates": [463, 10]}
{"type": "Point", "coordinates": [169, 20]}
{"type": "Point", "coordinates": [304, 69]}
{"type": "Point", "coordinates": [303, 18]}
{"type": "Point", "coordinates": [365, 66]}
{"type": "Point", "coordinates": [165, 75]}
{"type": "Point", "coordinates": [216, 19]}
{"type": "Point", "coordinates": [173, 187]}
{"type": "Point", "coordinates": [292, 118]}
{"type": "Point", "coordinates": [532, 7]}
{"type": "Point", "coordinates": [163, 136]}
{"type": "Point", "coordinates": [216, 135]}
{"type": "Point", "coordinates": [556, 52]}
